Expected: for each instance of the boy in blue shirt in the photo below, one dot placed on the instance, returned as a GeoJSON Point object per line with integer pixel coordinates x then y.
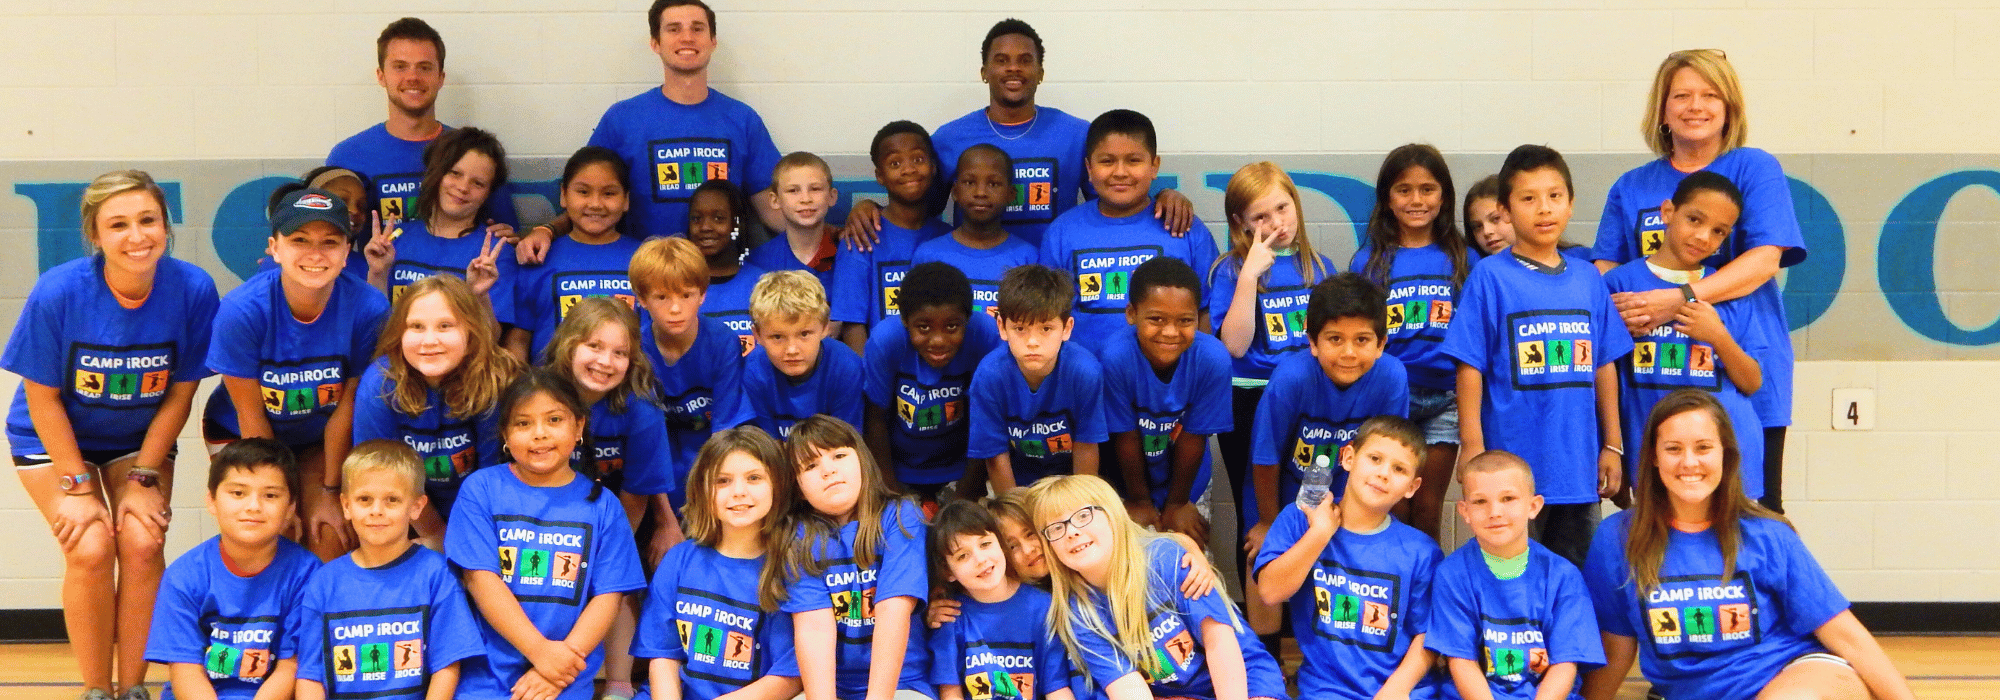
{"type": "Point", "coordinates": [1536, 339]}
{"type": "Point", "coordinates": [1104, 240]}
{"type": "Point", "coordinates": [1359, 581]}
{"type": "Point", "coordinates": [389, 619]}
{"type": "Point", "coordinates": [804, 192]}
{"type": "Point", "coordinates": [866, 281]}
{"type": "Point", "coordinates": [917, 370]}
{"type": "Point", "coordinates": [697, 359]}
{"type": "Point", "coordinates": [1510, 617]}
{"type": "Point", "coordinates": [979, 247]}
{"type": "Point", "coordinates": [797, 370]}
{"type": "Point", "coordinates": [224, 620]}
{"type": "Point", "coordinates": [1166, 390]}
{"type": "Point", "coordinates": [1038, 408]}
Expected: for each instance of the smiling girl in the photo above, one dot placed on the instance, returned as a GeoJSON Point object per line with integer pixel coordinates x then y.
{"type": "Point", "coordinates": [462, 170]}
{"type": "Point", "coordinates": [591, 261]}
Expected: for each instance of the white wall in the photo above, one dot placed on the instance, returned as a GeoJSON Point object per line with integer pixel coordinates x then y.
{"type": "Point", "coordinates": [1899, 513]}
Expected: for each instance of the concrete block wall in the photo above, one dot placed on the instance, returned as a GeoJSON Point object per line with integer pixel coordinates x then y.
{"type": "Point", "coordinates": [1863, 100]}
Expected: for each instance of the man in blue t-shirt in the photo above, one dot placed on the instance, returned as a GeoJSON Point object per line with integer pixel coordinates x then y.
{"type": "Point", "coordinates": [679, 136]}
{"type": "Point", "coordinates": [409, 65]}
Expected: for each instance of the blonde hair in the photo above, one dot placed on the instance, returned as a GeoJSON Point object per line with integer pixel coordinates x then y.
{"type": "Point", "coordinates": [1713, 66]}
{"type": "Point", "coordinates": [385, 455]}
{"type": "Point", "coordinates": [666, 263]}
{"type": "Point", "coordinates": [1496, 461]}
{"type": "Point", "coordinates": [787, 294]}
{"type": "Point", "coordinates": [583, 320]}
{"type": "Point", "coordinates": [474, 386]}
{"type": "Point", "coordinates": [698, 516]}
{"type": "Point", "coordinates": [1250, 183]}
{"type": "Point", "coordinates": [115, 183]}
{"type": "Point", "coordinates": [1129, 588]}
{"type": "Point", "coordinates": [800, 159]}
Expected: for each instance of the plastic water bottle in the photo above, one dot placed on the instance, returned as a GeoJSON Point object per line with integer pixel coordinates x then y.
{"type": "Point", "coordinates": [1318, 478]}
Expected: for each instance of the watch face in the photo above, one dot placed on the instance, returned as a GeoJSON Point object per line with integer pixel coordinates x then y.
{"type": "Point", "coordinates": [146, 480]}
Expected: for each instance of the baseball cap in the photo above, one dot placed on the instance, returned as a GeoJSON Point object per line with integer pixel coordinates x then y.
{"type": "Point", "coordinates": [307, 205]}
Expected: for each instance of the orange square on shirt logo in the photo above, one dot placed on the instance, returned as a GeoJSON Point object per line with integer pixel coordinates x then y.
{"type": "Point", "coordinates": [1039, 193]}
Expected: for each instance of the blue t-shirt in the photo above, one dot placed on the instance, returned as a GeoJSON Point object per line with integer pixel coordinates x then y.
{"type": "Point", "coordinates": [702, 611]}
{"type": "Point", "coordinates": [111, 365]}
{"type": "Point", "coordinates": [1366, 599]}
{"type": "Point", "coordinates": [927, 433]}
{"type": "Point", "coordinates": [554, 548]}
{"type": "Point", "coordinates": [1421, 296]}
{"type": "Point", "coordinates": [1048, 163]}
{"type": "Point", "coordinates": [1304, 415]}
{"type": "Point", "coordinates": [237, 628]}
{"type": "Point", "coordinates": [1517, 628]}
{"type": "Point", "coordinates": [852, 592]}
{"type": "Point", "coordinates": [701, 393]}
{"type": "Point", "coordinates": [572, 272]}
{"type": "Point", "coordinates": [1036, 428]}
{"type": "Point", "coordinates": [982, 268]}
{"type": "Point", "coordinates": [776, 255]}
{"type": "Point", "coordinates": [382, 632]}
{"type": "Point", "coordinates": [673, 148]}
{"type": "Point", "coordinates": [1631, 228]}
{"type": "Point", "coordinates": [778, 402]}
{"type": "Point", "coordinates": [1666, 359]}
{"type": "Point", "coordinates": [1194, 400]}
{"type": "Point", "coordinates": [728, 300]}
{"type": "Point", "coordinates": [1538, 335]}
{"type": "Point", "coordinates": [1281, 311]}
{"type": "Point", "coordinates": [395, 168]}
{"type": "Point", "coordinates": [1102, 251]}
{"type": "Point", "coordinates": [299, 367]}
{"type": "Point", "coordinates": [634, 443]}
{"type": "Point", "coordinates": [420, 254]}
{"type": "Point", "coordinates": [1706, 637]}
{"type": "Point", "coordinates": [450, 447]}
{"type": "Point", "coordinates": [865, 284]}
{"type": "Point", "coordinates": [1177, 644]}
{"type": "Point", "coordinates": [1001, 651]}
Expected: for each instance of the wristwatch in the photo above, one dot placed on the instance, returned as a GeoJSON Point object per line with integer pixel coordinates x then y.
{"type": "Point", "coordinates": [72, 482]}
{"type": "Point", "coordinates": [144, 477]}
{"type": "Point", "coordinates": [1687, 292]}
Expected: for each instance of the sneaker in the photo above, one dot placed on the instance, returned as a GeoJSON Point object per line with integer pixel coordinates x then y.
{"type": "Point", "coordinates": [137, 692]}
{"type": "Point", "coordinates": [96, 694]}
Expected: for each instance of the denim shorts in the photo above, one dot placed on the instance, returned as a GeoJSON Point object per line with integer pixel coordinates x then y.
{"type": "Point", "coordinates": [1436, 411]}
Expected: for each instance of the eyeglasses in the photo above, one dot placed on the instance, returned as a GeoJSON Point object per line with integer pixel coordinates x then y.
{"type": "Point", "coordinates": [1060, 528]}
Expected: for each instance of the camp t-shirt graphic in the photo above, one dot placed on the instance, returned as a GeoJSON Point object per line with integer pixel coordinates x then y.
{"type": "Point", "coordinates": [1701, 616]}
{"type": "Point", "coordinates": [928, 409]}
{"type": "Point", "coordinates": [543, 560]}
{"type": "Point", "coordinates": [396, 195]}
{"type": "Point", "coordinates": [448, 453]}
{"type": "Point", "coordinates": [999, 670]}
{"type": "Point", "coordinates": [572, 287]}
{"type": "Point", "coordinates": [1355, 606]}
{"type": "Point", "coordinates": [1551, 349]}
{"type": "Point", "coordinates": [1041, 445]}
{"type": "Point", "coordinates": [1668, 359]}
{"type": "Point", "coordinates": [107, 376]}
{"type": "Point", "coordinates": [1034, 191]}
{"type": "Point", "coordinates": [299, 389]}
{"type": "Point", "coordinates": [1317, 438]}
{"type": "Point", "coordinates": [1419, 306]}
{"type": "Point", "coordinates": [239, 648]}
{"type": "Point", "coordinates": [682, 164]}
{"type": "Point", "coordinates": [1652, 230]}
{"type": "Point", "coordinates": [376, 652]}
{"type": "Point", "coordinates": [1512, 649]}
{"type": "Point", "coordinates": [718, 635]}
{"type": "Point", "coordinates": [1283, 311]}
{"type": "Point", "coordinates": [1104, 276]}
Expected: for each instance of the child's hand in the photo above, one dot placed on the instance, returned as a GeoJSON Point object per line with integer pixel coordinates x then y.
{"type": "Point", "coordinates": [555, 661]}
{"type": "Point", "coordinates": [381, 249]}
{"type": "Point", "coordinates": [1185, 519]}
{"type": "Point", "coordinates": [1253, 539]}
{"type": "Point", "coordinates": [74, 515]}
{"type": "Point", "coordinates": [1200, 577]}
{"type": "Point", "coordinates": [1174, 211]}
{"type": "Point", "coordinates": [864, 221]}
{"type": "Point", "coordinates": [1143, 513]}
{"type": "Point", "coordinates": [1645, 311]}
{"type": "Point", "coordinates": [1322, 517]}
{"type": "Point", "coordinates": [1610, 472]}
{"type": "Point", "coordinates": [1259, 258]}
{"type": "Point", "coordinates": [533, 686]}
{"type": "Point", "coordinates": [942, 610]}
{"type": "Point", "coordinates": [532, 248]}
{"type": "Point", "coordinates": [325, 522]}
{"type": "Point", "coordinates": [484, 270]}
{"type": "Point", "coordinates": [1699, 321]}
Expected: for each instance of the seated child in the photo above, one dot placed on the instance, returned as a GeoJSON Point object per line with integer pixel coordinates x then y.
{"type": "Point", "coordinates": [697, 359]}
{"type": "Point", "coordinates": [224, 620]}
{"type": "Point", "coordinates": [866, 281]}
{"type": "Point", "coordinates": [797, 369]}
{"type": "Point", "coordinates": [1512, 619]}
{"type": "Point", "coordinates": [999, 646]}
{"type": "Point", "coordinates": [981, 249]}
{"type": "Point", "coordinates": [1166, 390]}
{"type": "Point", "coordinates": [918, 367]}
{"type": "Point", "coordinates": [389, 619]}
{"type": "Point", "coordinates": [715, 220]}
{"type": "Point", "coordinates": [1359, 581]}
{"type": "Point", "coordinates": [1038, 408]}
{"type": "Point", "coordinates": [803, 185]}
{"type": "Point", "coordinates": [1103, 241]}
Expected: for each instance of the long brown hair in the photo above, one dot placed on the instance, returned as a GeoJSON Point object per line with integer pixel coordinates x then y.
{"type": "Point", "coordinates": [475, 385]}
{"type": "Point", "coordinates": [1385, 233]}
{"type": "Point", "coordinates": [1249, 184]}
{"type": "Point", "coordinates": [811, 437]}
{"type": "Point", "coordinates": [1646, 541]}
{"type": "Point", "coordinates": [698, 517]}
{"type": "Point", "coordinates": [577, 327]}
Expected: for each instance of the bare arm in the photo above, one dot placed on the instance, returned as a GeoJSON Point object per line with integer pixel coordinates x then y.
{"type": "Point", "coordinates": [190, 682]}
{"type": "Point", "coordinates": [875, 431]}
{"type": "Point", "coordinates": [1132, 468]}
{"type": "Point", "coordinates": [248, 399]}
{"type": "Point", "coordinates": [1000, 472]}
{"type": "Point", "coordinates": [444, 684]}
{"type": "Point", "coordinates": [496, 603]}
{"type": "Point", "coordinates": [277, 686]}
{"type": "Point", "coordinates": [1741, 276]}
{"type": "Point", "coordinates": [1603, 682]}
{"type": "Point", "coordinates": [1557, 682]}
{"type": "Point", "coordinates": [1083, 458]}
{"type": "Point", "coordinates": [855, 335]}
{"type": "Point", "coordinates": [590, 627]}
{"type": "Point", "coordinates": [1225, 661]}
{"type": "Point", "coordinates": [1847, 638]}
{"type": "Point", "coordinates": [516, 343]}
{"type": "Point", "coordinates": [664, 677]}
{"type": "Point", "coordinates": [766, 205]}
{"type": "Point", "coordinates": [161, 432]}
{"type": "Point", "coordinates": [767, 687]}
{"type": "Point", "coordinates": [813, 636]}
{"type": "Point", "coordinates": [1610, 458]}
{"type": "Point", "coordinates": [45, 411]}
{"type": "Point", "coordinates": [1471, 434]}
{"type": "Point", "coordinates": [312, 690]}
{"type": "Point", "coordinates": [1281, 578]}
{"type": "Point", "coordinates": [1416, 662]}
{"type": "Point", "coordinates": [1470, 679]}
{"type": "Point", "coordinates": [892, 640]}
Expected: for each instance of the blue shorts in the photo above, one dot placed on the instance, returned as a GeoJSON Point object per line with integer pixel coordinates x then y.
{"type": "Point", "coordinates": [1436, 411]}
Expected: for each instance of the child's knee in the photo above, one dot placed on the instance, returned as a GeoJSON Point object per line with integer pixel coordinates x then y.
{"type": "Point", "coordinates": [95, 551]}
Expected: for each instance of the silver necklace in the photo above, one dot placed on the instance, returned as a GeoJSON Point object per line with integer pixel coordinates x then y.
{"type": "Point", "coordinates": [995, 126]}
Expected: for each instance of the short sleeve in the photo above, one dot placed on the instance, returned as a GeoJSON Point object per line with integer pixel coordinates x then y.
{"type": "Point", "coordinates": [1613, 341]}
{"type": "Point", "coordinates": [1809, 597]}
{"type": "Point", "coordinates": [762, 156]}
{"type": "Point", "coordinates": [374, 418]}
{"type": "Point", "coordinates": [614, 561]}
{"type": "Point", "coordinates": [1209, 401]}
{"type": "Point", "coordinates": [904, 569]}
{"type": "Point", "coordinates": [606, 134]}
{"type": "Point", "coordinates": [1276, 411]}
{"type": "Point", "coordinates": [808, 592]}
{"type": "Point", "coordinates": [456, 635]}
{"type": "Point", "coordinates": [373, 309]}
{"type": "Point", "coordinates": [34, 351]}
{"type": "Point", "coordinates": [1221, 281]}
{"type": "Point", "coordinates": [1469, 337]}
{"type": "Point", "coordinates": [1100, 657]}
{"type": "Point", "coordinates": [232, 349]}
{"type": "Point", "coordinates": [1604, 575]}
{"type": "Point", "coordinates": [1614, 232]}
{"type": "Point", "coordinates": [853, 282]}
{"type": "Point", "coordinates": [945, 652]}
{"type": "Point", "coordinates": [1201, 252]}
{"type": "Point", "coordinates": [175, 636]}
{"type": "Point", "coordinates": [843, 401]}
{"type": "Point", "coordinates": [1425, 573]}
{"type": "Point", "coordinates": [1284, 533]}
{"type": "Point", "coordinates": [501, 205]}
{"type": "Point", "coordinates": [732, 407]}
{"type": "Point", "coordinates": [1051, 251]}
{"type": "Point", "coordinates": [986, 434]}
{"type": "Point", "coordinates": [778, 638]}
{"type": "Point", "coordinates": [648, 450]}
{"type": "Point", "coordinates": [1573, 634]}
{"type": "Point", "coordinates": [1089, 399]}
{"type": "Point", "coordinates": [1119, 414]}
{"type": "Point", "coordinates": [878, 363]}
{"type": "Point", "coordinates": [656, 637]}
{"type": "Point", "coordinates": [308, 632]}
{"type": "Point", "coordinates": [1052, 667]}
{"type": "Point", "coordinates": [469, 539]}
{"type": "Point", "coordinates": [200, 324]}
{"type": "Point", "coordinates": [1769, 216]}
{"type": "Point", "coordinates": [503, 293]}
{"type": "Point", "coordinates": [1453, 628]}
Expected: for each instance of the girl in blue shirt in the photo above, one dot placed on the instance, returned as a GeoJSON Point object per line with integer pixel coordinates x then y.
{"type": "Point", "coordinates": [434, 385]}
{"type": "Point", "coordinates": [1717, 596]}
{"type": "Point", "coordinates": [545, 557]}
{"type": "Point", "coordinates": [998, 646]}
{"type": "Point", "coordinates": [715, 220]}
{"type": "Point", "coordinates": [723, 584]}
{"type": "Point", "coordinates": [597, 349]}
{"type": "Point", "coordinates": [1414, 253]}
{"type": "Point", "coordinates": [856, 572]}
{"type": "Point", "coordinates": [462, 171]}
{"type": "Point", "coordinates": [590, 261]}
{"type": "Point", "coordinates": [1119, 609]}
{"type": "Point", "coordinates": [109, 348]}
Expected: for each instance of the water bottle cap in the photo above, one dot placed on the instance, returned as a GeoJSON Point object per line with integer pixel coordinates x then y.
{"type": "Point", "coordinates": [1321, 461]}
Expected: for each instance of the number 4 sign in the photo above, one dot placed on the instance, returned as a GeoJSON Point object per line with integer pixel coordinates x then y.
{"type": "Point", "coordinates": [1854, 409]}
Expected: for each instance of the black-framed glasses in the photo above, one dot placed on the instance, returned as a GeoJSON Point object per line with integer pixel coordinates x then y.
{"type": "Point", "coordinates": [1060, 528]}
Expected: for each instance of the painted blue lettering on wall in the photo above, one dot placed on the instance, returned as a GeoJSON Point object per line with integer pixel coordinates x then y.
{"type": "Point", "coordinates": [1810, 285]}
{"type": "Point", "coordinates": [241, 226]}
{"type": "Point", "coordinates": [1906, 260]}
{"type": "Point", "coordinates": [59, 223]}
